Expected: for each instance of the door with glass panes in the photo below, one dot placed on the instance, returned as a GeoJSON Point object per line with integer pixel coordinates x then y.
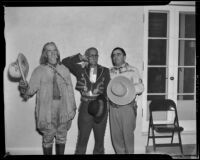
{"type": "Point", "coordinates": [170, 62]}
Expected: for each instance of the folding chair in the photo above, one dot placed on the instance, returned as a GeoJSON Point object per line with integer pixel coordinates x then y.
{"type": "Point", "coordinates": [163, 128]}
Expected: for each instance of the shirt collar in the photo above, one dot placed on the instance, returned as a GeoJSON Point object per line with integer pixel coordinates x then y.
{"type": "Point", "coordinates": [122, 66]}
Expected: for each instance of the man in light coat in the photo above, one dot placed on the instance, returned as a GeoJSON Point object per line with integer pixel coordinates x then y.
{"type": "Point", "coordinates": [55, 101]}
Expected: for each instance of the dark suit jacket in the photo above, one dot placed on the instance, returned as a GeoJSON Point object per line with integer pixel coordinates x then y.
{"type": "Point", "coordinates": [82, 74]}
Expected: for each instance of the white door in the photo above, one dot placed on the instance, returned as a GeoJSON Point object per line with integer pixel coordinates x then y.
{"type": "Point", "coordinates": [169, 62]}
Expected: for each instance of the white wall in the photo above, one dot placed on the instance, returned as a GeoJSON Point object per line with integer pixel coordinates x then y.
{"type": "Point", "coordinates": [73, 29]}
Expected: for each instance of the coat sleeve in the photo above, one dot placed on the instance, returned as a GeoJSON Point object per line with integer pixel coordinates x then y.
{"type": "Point", "coordinates": [139, 86]}
{"type": "Point", "coordinates": [107, 80]}
{"type": "Point", "coordinates": [70, 89]}
{"type": "Point", "coordinates": [34, 83]}
{"type": "Point", "coordinates": [72, 104]}
{"type": "Point", "coordinates": [71, 63]}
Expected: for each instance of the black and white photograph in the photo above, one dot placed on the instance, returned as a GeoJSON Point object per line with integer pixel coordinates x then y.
{"type": "Point", "coordinates": [101, 80]}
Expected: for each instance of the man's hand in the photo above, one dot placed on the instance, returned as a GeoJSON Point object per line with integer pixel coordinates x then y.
{"type": "Point", "coordinates": [83, 58]}
{"type": "Point", "coordinates": [81, 85]}
{"type": "Point", "coordinates": [99, 89]}
{"type": "Point", "coordinates": [23, 86]}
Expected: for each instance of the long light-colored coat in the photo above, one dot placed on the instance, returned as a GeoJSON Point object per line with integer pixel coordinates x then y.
{"type": "Point", "coordinates": [41, 84]}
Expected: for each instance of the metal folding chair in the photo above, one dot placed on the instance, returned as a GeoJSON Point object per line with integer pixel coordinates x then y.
{"type": "Point", "coordinates": [165, 130]}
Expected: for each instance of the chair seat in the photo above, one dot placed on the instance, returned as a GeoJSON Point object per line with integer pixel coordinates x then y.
{"type": "Point", "coordinates": [167, 128]}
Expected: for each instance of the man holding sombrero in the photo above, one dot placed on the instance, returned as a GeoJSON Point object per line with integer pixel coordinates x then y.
{"type": "Point", "coordinates": [122, 90]}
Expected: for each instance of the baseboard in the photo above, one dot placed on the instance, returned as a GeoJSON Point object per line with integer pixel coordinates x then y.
{"type": "Point", "coordinates": [68, 151]}
{"type": "Point", "coordinates": [38, 151]}
{"type": "Point", "coordinates": [24, 151]}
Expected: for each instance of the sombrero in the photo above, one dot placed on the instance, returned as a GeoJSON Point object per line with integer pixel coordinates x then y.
{"type": "Point", "coordinates": [98, 108]}
{"type": "Point", "coordinates": [19, 68]}
{"type": "Point", "coordinates": [121, 90]}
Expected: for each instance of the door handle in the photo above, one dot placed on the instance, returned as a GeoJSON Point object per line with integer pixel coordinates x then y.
{"type": "Point", "coordinates": [172, 78]}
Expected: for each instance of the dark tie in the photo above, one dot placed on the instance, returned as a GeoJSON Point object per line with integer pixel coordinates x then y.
{"type": "Point", "coordinates": [56, 91]}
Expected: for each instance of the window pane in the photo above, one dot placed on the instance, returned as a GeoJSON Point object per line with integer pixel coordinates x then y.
{"type": "Point", "coordinates": [185, 97]}
{"type": "Point", "coordinates": [187, 50]}
{"type": "Point", "coordinates": [157, 24]}
{"type": "Point", "coordinates": [153, 97]}
{"type": "Point", "coordinates": [186, 80]}
{"type": "Point", "coordinates": [187, 25]}
{"type": "Point", "coordinates": [162, 116]}
{"type": "Point", "coordinates": [186, 110]}
{"type": "Point", "coordinates": [156, 80]}
{"type": "Point", "coordinates": [157, 52]}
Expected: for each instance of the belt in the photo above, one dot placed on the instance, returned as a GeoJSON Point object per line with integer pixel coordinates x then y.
{"type": "Point", "coordinates": [131, 104]}
{"type": "Point", "coordinates": [88, 98]}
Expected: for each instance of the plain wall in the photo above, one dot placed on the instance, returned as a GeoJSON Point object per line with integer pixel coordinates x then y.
{"type": "Point", "coordinates": [73, 29]}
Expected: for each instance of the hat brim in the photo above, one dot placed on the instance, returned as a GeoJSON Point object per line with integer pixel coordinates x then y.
{"type": "Point", "coordinates": [23, 65]}
{"type": "Point", "coordinates": [128, 97]}
{"type": "Point", "coordinates": [98, 119]}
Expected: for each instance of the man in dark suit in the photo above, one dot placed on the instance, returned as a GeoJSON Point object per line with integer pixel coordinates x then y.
{"type": "Point", "coordinates": [92, 80]}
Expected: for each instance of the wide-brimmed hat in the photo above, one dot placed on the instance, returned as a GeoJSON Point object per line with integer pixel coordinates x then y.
{"type": "Point", "coordinates": [19, 68]}
{"type": "Point", "coordinates": [121, 90]}
{"type": "Point", "coordinates": [98, 108]}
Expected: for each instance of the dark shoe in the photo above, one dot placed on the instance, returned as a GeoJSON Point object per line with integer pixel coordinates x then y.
{"type": "Point", "coordinates": [47, 151]}
{"type": "Point", "coordinates": [60, 149]}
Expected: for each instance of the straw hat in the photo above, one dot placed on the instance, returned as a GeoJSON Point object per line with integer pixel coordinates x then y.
{"type": "Point", "coordinates": [19, 68]}
{"type": "Point", "coordinates": [98, 108]}
{"type": "Point", "coordinates": [121, 90]}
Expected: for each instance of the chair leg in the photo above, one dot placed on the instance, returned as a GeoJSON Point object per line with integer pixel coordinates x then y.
{"type": "Point", "coordinates": [172, 137]}
{"type": "Point", "coordinates": [148, 141]}
{"type": "Point", "coordinates": [148, 136]}
{"type": "Point", "coordinates": [154, 144]}
{"type": "Point", "coordinates": [180, 142]}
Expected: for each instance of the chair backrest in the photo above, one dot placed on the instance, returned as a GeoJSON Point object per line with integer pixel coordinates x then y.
{"type": "Point", "coordinates": [162, 105]}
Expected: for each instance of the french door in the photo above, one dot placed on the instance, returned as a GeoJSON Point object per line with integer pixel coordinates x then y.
{"type": "Point", "coordinates": [170, 62]}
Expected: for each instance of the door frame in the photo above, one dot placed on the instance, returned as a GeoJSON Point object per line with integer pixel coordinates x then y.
{"type": "Point", "coordinates": [172, 47]}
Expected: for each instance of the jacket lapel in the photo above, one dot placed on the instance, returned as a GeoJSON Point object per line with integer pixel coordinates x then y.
{"type": "Point", "coordinates": [87, 71]}
{"type": "Point", "coordinates": [99, 71]}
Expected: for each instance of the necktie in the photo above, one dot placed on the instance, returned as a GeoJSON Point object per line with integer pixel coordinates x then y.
{"type": "Point", "coordinates": [56, 91]}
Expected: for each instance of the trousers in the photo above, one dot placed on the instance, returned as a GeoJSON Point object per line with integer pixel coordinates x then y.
{"type": "Point", "coordinates": [122, 126]}
{"type": "Point", "coordinates": [85, 125]}
{"type": "Point", "coordinates": [57, 130]}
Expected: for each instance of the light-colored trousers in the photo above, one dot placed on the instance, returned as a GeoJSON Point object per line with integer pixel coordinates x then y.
{"type": "Point", "coordinates": [122, 126]}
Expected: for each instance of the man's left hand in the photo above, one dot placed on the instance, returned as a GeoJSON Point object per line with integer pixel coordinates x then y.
{"type": "Point", "coordinates": [98, 90]}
